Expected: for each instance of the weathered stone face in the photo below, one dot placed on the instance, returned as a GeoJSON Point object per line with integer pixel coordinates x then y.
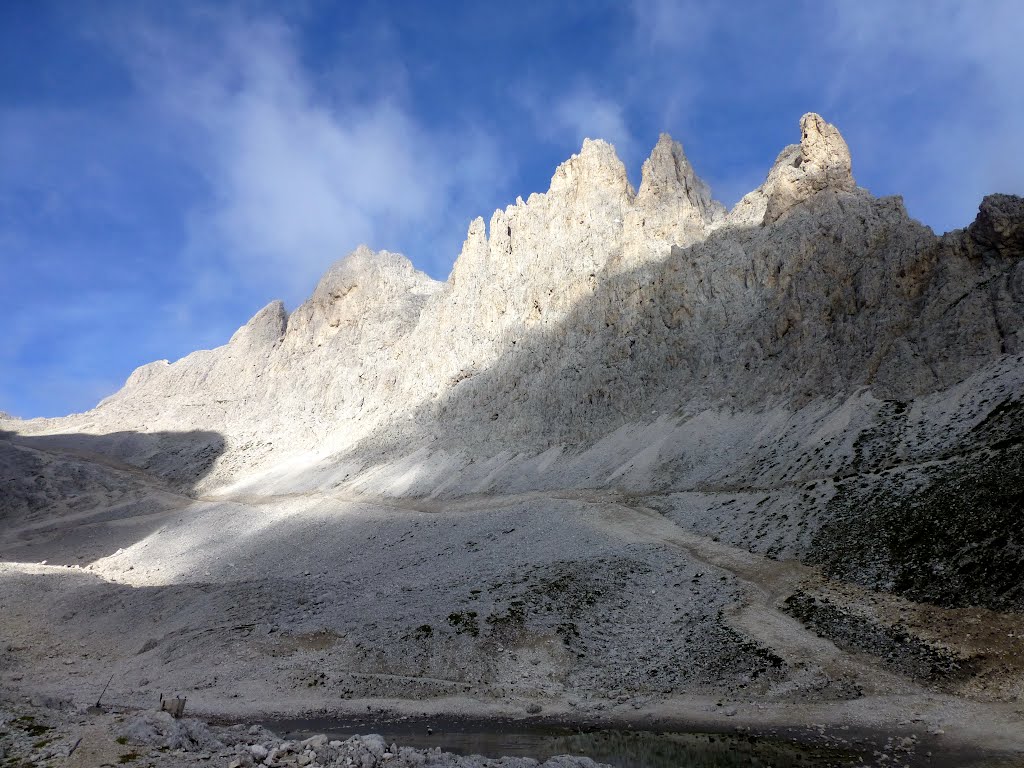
{"type": "Point", "coordinates": [591, 306]}
{"type": "Point", "coordinates": [615, 431]}
{"type": "Point", "coordinates": [821, 161]}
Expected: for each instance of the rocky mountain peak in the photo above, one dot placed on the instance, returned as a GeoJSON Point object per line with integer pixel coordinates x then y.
{"type": "Point", "coordinates": [820, 161]}
{"type": "Point", "coordinates": [266, 327]}
{"type": "Point", "coordinates": [1000, 224]}
{"type": "Point", "coordinates": [673, 207]}
{"type": "Point", "coordinates": [824, 152]}
{"type": "Point", "coordinates": [597, 169]}
{"type": "Point", "coordinates": [528, 263]}
{"type": "Point", "coordinates": [667, 178]}
{"type": "Point", "coordinates": [363, 283]}
{"type": "Point", "coordinates": [364, 266]}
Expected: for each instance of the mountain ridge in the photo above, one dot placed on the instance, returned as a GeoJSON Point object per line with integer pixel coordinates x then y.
{"type": "Point", "coordinates": [666, 268]}
{"type": "Point", "coordinates": [637, 453]}
{"type": "Point", "coordinates": [599, 337]}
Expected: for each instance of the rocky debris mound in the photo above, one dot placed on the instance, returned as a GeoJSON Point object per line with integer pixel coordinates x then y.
{"type": "Point", "coordinates": [26, 741]}
{"type": "Point", "coordinates": [237, 747]}
{"type": "Point", "coordinates": [162, 731]}
{"type": "Point", "coordinates": [372, 751]}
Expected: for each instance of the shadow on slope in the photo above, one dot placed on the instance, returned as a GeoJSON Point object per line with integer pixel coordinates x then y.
{"type": "Point", "coordinates": [180, 459]}
{"type": "Point", "coordinates": [817, 306]}
{"type": "Point", "coordinates": [331, 601]}
{"type": "Point", "coordinates": [825, 302]}
{"type": "Point", "coordinates": [76, 497]}
{"type": "Point", "coordinates": [348, 599]}
{"type": "Point", "coordinates": [957, 541]}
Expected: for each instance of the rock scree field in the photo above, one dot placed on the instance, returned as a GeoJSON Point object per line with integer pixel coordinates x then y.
{"type": "Point", "coordinates": [641, 463]}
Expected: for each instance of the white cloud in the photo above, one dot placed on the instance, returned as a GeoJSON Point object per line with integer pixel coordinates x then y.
{"type": "Point", "coordinates": [584, 115]}
{"type": "Point", "coordinates": [961, 63]}
{"type": "Point", "coordinates": [299, 174]}
{"type": "Point", "coordinates": [672, 24]}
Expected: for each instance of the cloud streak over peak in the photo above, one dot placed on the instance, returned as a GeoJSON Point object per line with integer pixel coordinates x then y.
{"type": "Point", "coordinates": [165, 171]}
{"type": "Point", "coordinates": [297, 175]}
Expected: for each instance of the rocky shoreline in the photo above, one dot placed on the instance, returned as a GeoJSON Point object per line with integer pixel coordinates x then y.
{"type": "Point", "coordinates": [37, 736]}
{"type": "Point", "coordinates": [45, 732]}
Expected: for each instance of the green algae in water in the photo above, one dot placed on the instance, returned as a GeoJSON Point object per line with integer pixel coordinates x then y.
{"type": "Point", "coordinates": [626, 749]}
{"type": "Point", "coordinates": [619, 748]}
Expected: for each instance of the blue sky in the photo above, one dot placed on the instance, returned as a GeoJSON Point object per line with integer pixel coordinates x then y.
{"type": "Point", "coordinates": [166, 169]}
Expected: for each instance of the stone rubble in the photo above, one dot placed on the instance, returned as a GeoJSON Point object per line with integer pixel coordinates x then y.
{"type": "Point", "coordinates": [157, 739]}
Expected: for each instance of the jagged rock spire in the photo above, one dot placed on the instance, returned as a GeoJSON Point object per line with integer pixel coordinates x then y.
{"type": "Point", "coordinates": [596, 171]}
{"type": "Point", "coordinates": [826, 158]}
{"type": "Point", "coordinates": [673, 207]}
{"type": "Point", "coordinates": [667, 177]}
{"type": "Point", "coordinates": [820, 161]}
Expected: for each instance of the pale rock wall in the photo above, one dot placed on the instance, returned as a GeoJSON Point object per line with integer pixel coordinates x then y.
{"type": "Point", "coordinates": [821, 161]}
{"type": "Point", "coordinates": [592, 307]}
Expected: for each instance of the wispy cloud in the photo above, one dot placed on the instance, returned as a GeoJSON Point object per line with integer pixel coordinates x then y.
{"type": "Point", "coordinates": [956, 67]}
{"type": "Point", "coordinates": [299, 174]}
{"type": "Point", "coordinates": [226, 173]}
{"type": "Point", "coordinates": [671, 24]}
{"type": "Point", "coordinates": [585, 115]}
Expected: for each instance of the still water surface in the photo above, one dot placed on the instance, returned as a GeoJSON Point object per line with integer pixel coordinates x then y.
{"type": "Point", "coordinates": [620, 748]}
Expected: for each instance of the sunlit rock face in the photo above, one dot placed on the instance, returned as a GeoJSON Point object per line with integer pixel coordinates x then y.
{"type": "Point", "coordinates": [593, 307]}
{"type": "Point", "coordinates": [637, 450]}
{"type": "Point", "coordinates": [820, 161]}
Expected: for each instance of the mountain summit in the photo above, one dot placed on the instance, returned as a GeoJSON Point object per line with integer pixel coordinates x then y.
{"type": "Point", "coordinates": [584, 309]}
{"type": "Point", "coordinates": [635, 448]}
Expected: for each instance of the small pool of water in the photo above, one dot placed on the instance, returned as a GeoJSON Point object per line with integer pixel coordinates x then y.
{"type": "Point", "coordinates": [620, 748]}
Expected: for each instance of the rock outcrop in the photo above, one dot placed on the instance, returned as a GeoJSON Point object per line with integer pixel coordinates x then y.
{"type": "Point", "coordinates": [589, 306]}
{"type": "Point", "coordinates": [636, 455]}
{"type": "Point", "coordinates": [820, 161]}
{"type": "Point", "coordinates": [592, 312]}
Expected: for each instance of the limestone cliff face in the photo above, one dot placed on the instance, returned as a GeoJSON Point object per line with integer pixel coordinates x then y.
{"type": "Point", "coordinates": [673, 205]}
{"type": "Point", "coordinates": [284, 381]}
{"type": "Point", "coordinates": [592, 306]}
{"type": "Point", "coordinates": [821, 161]}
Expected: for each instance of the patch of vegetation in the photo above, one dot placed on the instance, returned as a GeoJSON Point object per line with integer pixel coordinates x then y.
{"type": "Point", "coordinates": [893, 645]}
{"type": "Point", "coordinates": [28, 724]}
{"type": "Point", "coordinates": [122, 740]}
{"type": "Point", "coordinates": [873, 448]}
{"type": "Point", "coordinates": [465, 622]}
{"type": "Point", "coordinates": [958, 541]}
{"type": "Point", "coordinates": [568, 631]}
{"type": "Point", "coordinates": [1003, 427]}
{"type": "Point", "coordinates": [569, 589]}
{"type": "Point", "coordinates": [128, 757]}
{"type": "Point", "coordinates": [318, 680]}
{"type": "Point", "coordinates": [514, 617]}
{"type": "Point", "coordinates": [724, 652]}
